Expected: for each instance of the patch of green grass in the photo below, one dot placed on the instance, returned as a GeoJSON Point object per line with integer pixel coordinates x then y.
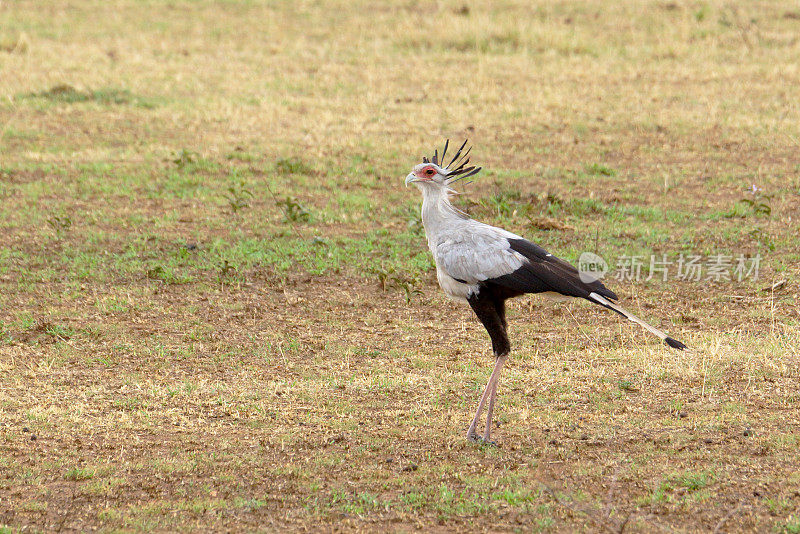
{"type": "Point", "coordinates": [692, 481]}
{"type": "Point", "coordinates": [188, 163]}
{"type": "Point", "coordinates": [80, 473]}
{"type": "Point", "coordinates": [792, 525]}
{"type": "Point", "coordinates": [491, 43]}
{"type": "Point", "coordinates": [168, 274]}
{"type": "Point", "coordinates": [106, 486]}
{"type": "Point", "coordinates": [34, 506]}
{"type": "Point", "coordinates": [515, 497]}
{"type": "Point", "coordinates": [504, 203]}
{"type": "Point", "coordinates": [599, 169]}
{"type": "Point", "coordinates": [5, 332]}
{"type": "Point", "coordinates": [288, 166]}
{"type": "Point", "coordinates": [11, 132]}
{"type": "Point", "coordinates": [110, 515]}
{"type": "Point", "coordinates": [251, 503]}
{"type": "Point", "coordinates": [240, 154]}
{"type": "Point", "coordinates": [747, 207]}
{"type": "Point", "coordinates": [66, 94]}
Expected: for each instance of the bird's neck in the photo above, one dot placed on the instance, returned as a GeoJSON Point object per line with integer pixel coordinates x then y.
{"type": "Point", "coordinates": [437, 211]}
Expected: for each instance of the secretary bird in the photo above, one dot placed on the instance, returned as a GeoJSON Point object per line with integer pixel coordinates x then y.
{"type": "Point", "coordinates": [484, 266]}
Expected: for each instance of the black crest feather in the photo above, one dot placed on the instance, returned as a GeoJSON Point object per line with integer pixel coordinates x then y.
{"type": "Point", "coordinates": [457, 169]}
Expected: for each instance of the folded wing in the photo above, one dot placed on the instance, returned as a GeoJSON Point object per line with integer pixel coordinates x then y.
{"type": "Point", "coordinates": [489, 255]}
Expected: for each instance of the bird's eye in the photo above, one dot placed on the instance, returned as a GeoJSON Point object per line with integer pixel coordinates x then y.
{"type": "Point", "coordinates": [429, 172]}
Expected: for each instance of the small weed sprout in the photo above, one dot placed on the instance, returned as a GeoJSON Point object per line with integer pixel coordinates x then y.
{"type": "Point", "coordinates": [409, 287]}
{"type": "Point", "coordinates": [60, 224]}
{"type": "Point", "coordinates": [156, 273]}
{"type": "Point", "coordinates": [58, 331]}
{"type": "Point", "coordinates": [388, 277]}
{"type": "Point", "coordinates": [238, 197]}
{"type": "Point", "coordinates": [756, 203]}
{"type": "Point", "coordinates": [226, 270]}
{"type": "Point", "coordinates": [293, 211]}
{"type": "Point", "coordinates": [384, 275]}
{"type": "Point", "coordinates": [184, 157]}
{"type": "Point", "coordinates": [701, 14]}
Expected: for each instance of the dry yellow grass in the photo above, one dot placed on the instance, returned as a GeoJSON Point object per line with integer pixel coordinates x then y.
{"type": "Point", "coordinates": [216, 307]}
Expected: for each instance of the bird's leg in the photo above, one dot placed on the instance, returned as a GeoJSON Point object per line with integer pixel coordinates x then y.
{"type": "Point", "coordinates": [471, 432]}
{"type": "Point", "coordinates": [492, 396]}
{"type": "Point", "coordinates": [488, 392]}
{"type": "Point", "coordinates": [490, 410]}
{"type": "Point", "coordinates": [490, 309]}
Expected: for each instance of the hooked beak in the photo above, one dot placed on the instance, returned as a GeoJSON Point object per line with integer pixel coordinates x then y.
{"type": "Point", "coordinates": [411, 178]}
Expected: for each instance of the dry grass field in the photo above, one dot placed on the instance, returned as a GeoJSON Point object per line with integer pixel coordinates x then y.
{"type": "Point", "coordinates": [218, 311]}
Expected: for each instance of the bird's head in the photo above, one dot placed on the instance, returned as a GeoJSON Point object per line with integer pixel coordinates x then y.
{"type": "Point", "coordinates": [434, 174]}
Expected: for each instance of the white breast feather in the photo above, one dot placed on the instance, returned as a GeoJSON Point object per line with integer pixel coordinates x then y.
{"type": "Point", "coordinates": [466, 252]}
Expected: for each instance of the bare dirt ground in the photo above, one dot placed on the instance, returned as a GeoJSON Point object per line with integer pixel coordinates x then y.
{"type": "Point", "coordinates": [218, 313]}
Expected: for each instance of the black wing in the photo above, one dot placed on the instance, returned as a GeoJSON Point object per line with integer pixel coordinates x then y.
{"type": "Point", "coordinates": [544, 272]}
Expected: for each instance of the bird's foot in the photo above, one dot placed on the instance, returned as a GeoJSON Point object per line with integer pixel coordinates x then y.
{"type": "Point", "coordinates": [482, 440]}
